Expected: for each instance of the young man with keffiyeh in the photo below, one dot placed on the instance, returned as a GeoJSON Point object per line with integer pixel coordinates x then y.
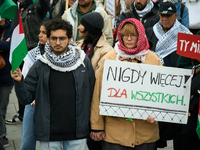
{"type": "Point", "coordinates": [163, 35]}
{"type": "Point", "coordinates": [118, 133]}
{"type": "Point", "coordinates": [61, 82]}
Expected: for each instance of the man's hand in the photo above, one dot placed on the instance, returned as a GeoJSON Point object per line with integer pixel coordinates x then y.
{"type": "Point", "coordinates": [97, 136]}
{"type": "Point", "coordinates": [17, 75]}
{"type": "Point", "coordinates": [113, 30]}
{"type": "Point", "coordinates": [8, 39]}
{"type": "Point", "coordinates": [33, 104]}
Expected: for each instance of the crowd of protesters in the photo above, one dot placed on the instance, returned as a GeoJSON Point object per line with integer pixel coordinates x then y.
{"type": "Point", "coordinates": [59, 83]}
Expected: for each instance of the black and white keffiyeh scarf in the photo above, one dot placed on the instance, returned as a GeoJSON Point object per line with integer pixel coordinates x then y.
{"type": "Point", "coordinates": [35, 52]}
{"type": "Point", "coordinates": [68, 61]}
{"type": "Point", "coordinates": [32, 55]}
{"type": "Point", "coordinates": [167, 42]}
{"type": "Point", "coordinates": [30, 59]}
{"type": "Point", "coordinates": [172, 1]}
{"type": "Point", "coordinates": [147, 9]}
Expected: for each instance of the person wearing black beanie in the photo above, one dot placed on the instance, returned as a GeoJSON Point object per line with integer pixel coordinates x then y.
{"type": "Point", "coordinates": [93, 22]}
{"type": "Point", "coordinates": [94, 42]}
{"type": "Point", "coordinates": [90, 30]}
{"type": "Point", "coordinates": [95, 45]}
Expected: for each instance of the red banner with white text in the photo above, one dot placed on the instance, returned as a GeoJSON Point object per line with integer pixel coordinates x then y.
{"type": "Point", "coordinates": [188, 45]}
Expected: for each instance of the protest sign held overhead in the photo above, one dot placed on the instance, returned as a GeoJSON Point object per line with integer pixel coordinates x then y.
{"type": "Point", "coordinates": [110, 8]}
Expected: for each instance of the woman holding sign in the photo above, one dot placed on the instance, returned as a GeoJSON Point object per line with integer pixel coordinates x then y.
{"type": "Point", "coordinates": [120, 133]}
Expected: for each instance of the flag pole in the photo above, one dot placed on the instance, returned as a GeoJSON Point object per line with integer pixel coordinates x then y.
{"type": "Point", "coordinates": [66, 4]}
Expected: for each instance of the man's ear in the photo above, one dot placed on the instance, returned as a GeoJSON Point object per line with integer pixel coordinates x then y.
{"type": "Point", "coordinates": [176, 15]}
{"type": "Point", "coordinates": [70, 39]}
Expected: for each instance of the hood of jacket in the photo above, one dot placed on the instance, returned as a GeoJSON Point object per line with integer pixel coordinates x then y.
{"type": "Point", "coordinates": [142, 42]}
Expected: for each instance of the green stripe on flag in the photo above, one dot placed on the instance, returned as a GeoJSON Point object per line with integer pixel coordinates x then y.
{"type": "Point", "coordinates": [198, 127]}
{"type": "Point", "coordinates": [18, 55]}
{"type": "Point", "coordinates": [198, 119]}
{"type": "Point", "coordinates": [7, 9]}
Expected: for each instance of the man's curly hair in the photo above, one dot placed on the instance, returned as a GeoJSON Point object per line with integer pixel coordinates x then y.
{"type": "Point", "coordinates": [56, 24]}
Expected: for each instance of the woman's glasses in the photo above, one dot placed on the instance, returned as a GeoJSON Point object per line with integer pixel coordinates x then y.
{"type": "Point", "coordinates": [126, 36]}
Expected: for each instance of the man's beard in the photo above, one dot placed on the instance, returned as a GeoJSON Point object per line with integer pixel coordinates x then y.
{"type": "Point", "coordinates": [85, 5]}
{"type": "Point", "coordinates": [60, 52]}
{"type": "Point", "coordinates": [140, 7]}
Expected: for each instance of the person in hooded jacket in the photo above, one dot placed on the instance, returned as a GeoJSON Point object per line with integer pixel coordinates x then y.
{"type": "Point", "coordinates": [138, 134]}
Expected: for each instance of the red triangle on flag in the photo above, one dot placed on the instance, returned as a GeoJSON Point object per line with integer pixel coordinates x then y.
{"type": "Point", "coordinates": [21, 30]}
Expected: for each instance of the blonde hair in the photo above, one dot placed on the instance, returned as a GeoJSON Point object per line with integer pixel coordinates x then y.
{"type": "Point", "coordinates": [128, 28]}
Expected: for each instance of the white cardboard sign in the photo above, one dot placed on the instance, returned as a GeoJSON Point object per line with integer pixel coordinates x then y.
{"type": "Point", "coordinates": [110, 7]}
{"type": "Point", "coordinates": [134, 90]}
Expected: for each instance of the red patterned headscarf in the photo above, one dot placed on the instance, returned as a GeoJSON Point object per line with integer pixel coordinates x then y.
{"type": "Point", "coordinates": [142, 43]}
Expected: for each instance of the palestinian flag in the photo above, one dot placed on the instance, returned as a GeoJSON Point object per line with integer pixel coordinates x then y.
{"type": "Point", "coordinates": [7, 7]}
{"type": "Point", "coordinates": [18, 48]}
{"type": "Point", "coordinates": [198, 120]}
